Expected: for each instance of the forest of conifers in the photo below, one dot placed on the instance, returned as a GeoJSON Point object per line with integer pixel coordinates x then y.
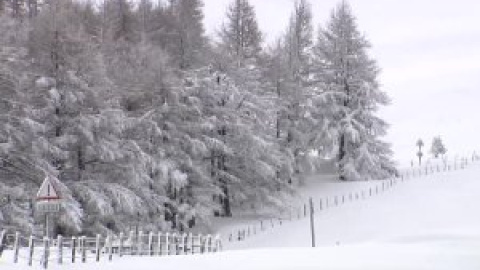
{"type": "Point", "coordinates": [136, 114]}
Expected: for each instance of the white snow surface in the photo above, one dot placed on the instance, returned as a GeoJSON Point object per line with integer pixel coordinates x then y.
{"type": "Point", "coordinates": [432, 222]}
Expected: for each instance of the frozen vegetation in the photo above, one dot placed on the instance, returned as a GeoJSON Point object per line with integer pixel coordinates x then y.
{"type": "Point", "coordinates": [140, 118]}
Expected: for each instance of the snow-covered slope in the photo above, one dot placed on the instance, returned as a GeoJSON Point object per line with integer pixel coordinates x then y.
{"type": "Point", "coordinates": [432, 222]}
{"type": "Point", "coordinates": [439, 207]}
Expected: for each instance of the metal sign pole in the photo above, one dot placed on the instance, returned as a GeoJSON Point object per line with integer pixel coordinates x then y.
{"type": "Point", "coordinates": [47, 232]}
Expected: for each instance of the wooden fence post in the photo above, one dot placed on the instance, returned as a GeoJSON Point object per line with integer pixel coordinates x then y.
{"type": "Point", "coordinates": [167, 244]}
{"type": "Point", "coordinates": [218, 243]}
{"type": "Point", "coordinates": [209, 243]}
{"type": "Point", "coordinates": [84, 249]}
{"type": "Point", "coordinates": [16, 247]}
{"type": "Point", "coordinates": [140, 243]}
{"type": "Point", "coordinates": [159, 244]}
{"type": "Point", "coordinates": [184, 244]}
{"type": "Point", "coordinates": [120, 245]}
{"type": "Point", "coordinates": [60, 249]}
{"type": "Point", "coordinates": [132, 236]}
{"type": "Point", "coordinates": [3, 235]}
{"type": "Point", "coordinates": [81, 248]}
{"type": "Point", "coordinates": [191, 240]}
{"type": "Point", "coordinates": [97, 248]}
{"type": "Point", "coordinates": [312, 222]}
{"type": "Point", "coordinates": [175, 243]}
{"type": "Point", "coordinates": [46, 252]}
{"type": "Point", "coordinates": [74, 248]}
{"type": "Point", "coordinates": [202, 244]}
{"type": "Point", "coordinates": [150, 243]}
{"type": "Point", "coordinates": [110, 248]}
{"type": "Point", "coordinates": [31, 248]}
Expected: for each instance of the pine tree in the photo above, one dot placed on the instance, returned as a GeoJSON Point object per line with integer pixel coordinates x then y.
{"type": "Point", "coordinates": [118, 21]}
{"type": "Point", "coordinates": [188, 39]}
{"type": "Point", "coordinates": [349, 76]}
{"type": "Point", "coordinates": [298, 43]}
{"type": "Point", "coordinates": [438, 148]}
{"type": "Point", "coordinates": [256, 169]}
{"type": "Point", "coordinates": [240, 36]}
{"type": "Point", "coordinates": [299, 39]}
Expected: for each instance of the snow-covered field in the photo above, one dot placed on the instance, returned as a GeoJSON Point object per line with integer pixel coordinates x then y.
{"type": "Point", "coordinates": [431, 222]}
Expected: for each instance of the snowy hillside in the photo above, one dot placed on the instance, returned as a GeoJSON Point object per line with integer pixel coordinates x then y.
{"type": "Point", "coordinates": [430, 222]}
{"type": "Point", "coordinates": [438, 208]}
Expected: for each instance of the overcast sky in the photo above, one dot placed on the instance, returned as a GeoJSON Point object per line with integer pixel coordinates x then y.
{"type": "Point", "coordinates": [429, 53]}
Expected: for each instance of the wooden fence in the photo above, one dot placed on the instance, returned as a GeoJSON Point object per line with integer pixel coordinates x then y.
{"type": "Point", "coordinates": [63, 250]}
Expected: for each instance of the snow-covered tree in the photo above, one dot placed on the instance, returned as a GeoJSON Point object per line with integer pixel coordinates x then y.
{"type": "Point", "coordinates": [119, 20]}
{"type": "Point", "coordinates": [240, 36]}
{"type": "Point", "coordinates": [142, 121]}
{"type": "Point", "coordinates": [243, 157]}
{"type": "Point", "coordinates": [188, 36]}
{"type": "Point", "coordinates": [299, 40]}
{"type": "Point", "coordinates": [348, 75]}
{"type": "Point", "coordinates": [438, 148]}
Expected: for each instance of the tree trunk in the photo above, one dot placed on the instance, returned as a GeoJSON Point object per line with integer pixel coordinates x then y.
{"type": "Point", "coordinates": [341, 156]}
{"type": "Point", "coordinates": [226, 202]}
{"type": "Point", "coordinates": [226, 199]}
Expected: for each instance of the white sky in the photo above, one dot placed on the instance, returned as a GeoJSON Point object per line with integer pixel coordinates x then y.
{"type": "Point", "coordinates": [429, 52]}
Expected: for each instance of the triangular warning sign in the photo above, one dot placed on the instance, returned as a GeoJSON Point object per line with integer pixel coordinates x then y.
{"type": "Point", "coordinates": [47, 191]}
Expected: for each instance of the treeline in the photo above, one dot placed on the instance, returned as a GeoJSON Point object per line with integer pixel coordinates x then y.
{"type": "Point", "coordinates": [140, 117]}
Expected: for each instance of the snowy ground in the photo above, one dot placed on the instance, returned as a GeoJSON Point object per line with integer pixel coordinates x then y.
{"type": "Point", "coordinates": [431, 222]}
{"type": "Point", "coordinates": [423, 208]}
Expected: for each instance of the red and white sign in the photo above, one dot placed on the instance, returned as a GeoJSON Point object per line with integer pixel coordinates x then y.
{"type": "Point", "coordinates": [47, 191]}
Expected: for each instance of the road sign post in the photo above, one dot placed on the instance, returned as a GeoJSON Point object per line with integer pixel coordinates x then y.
{"type": "Point", "coordinates": [48, 201]}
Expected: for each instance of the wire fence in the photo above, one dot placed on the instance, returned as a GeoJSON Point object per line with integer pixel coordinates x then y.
{"type": "Point", "coordinates": [321, 204]}
{"type": "Point", "coordinates": [63, 250]}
